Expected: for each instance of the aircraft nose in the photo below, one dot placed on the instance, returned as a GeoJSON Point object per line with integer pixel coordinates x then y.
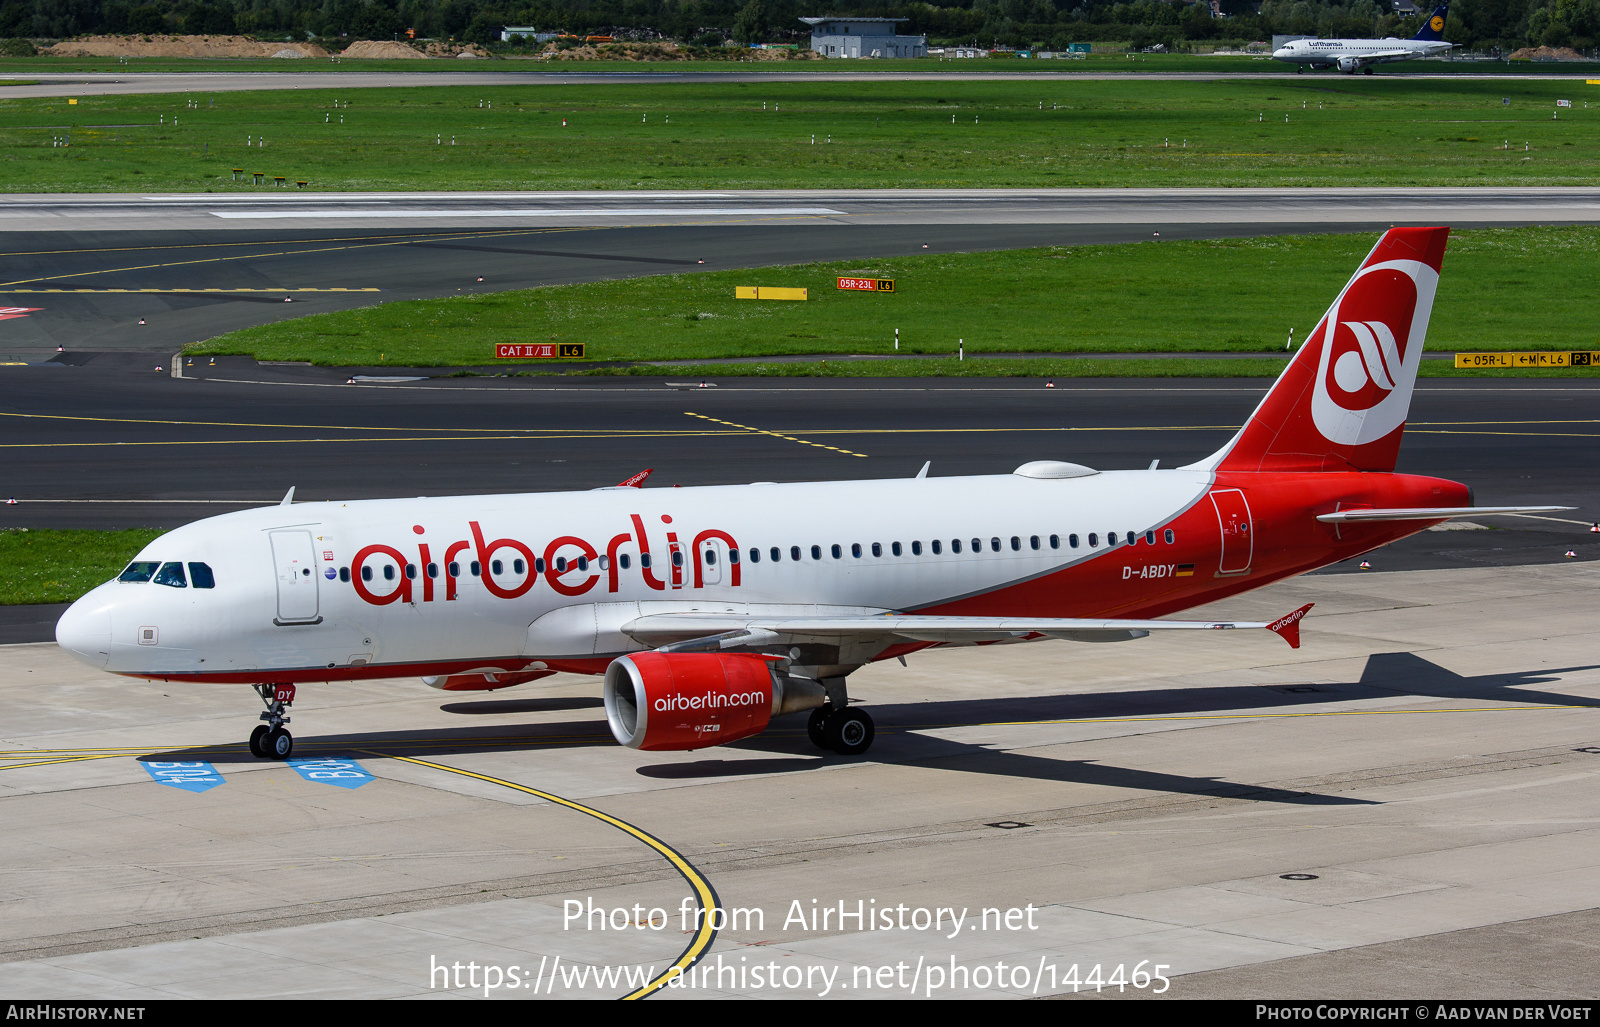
{"type": "Point", "coordinates": [85, 631]}
{"type": "Point", "coordinates": [1281, 53]}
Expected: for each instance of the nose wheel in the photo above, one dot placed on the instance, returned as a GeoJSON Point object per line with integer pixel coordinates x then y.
{"type": "Point", "coordinates": [270, 741]}
{"type": "Point", "coordinates": [848, 732]}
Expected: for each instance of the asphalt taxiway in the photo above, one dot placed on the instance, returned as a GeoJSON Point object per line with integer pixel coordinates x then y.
{"type": "Point", "coordinates": [151, 274]}
{"type": "Point", "coordinates": [158, 290]}
{"type": "Point", "coordinates": [1239, 208]}
{"type": "Point", "coordinates": [113, 442]}
{"type": "Point", "coordinates": [1378, 814]}
{"type": "Point", "coordinates": [1381, 813]}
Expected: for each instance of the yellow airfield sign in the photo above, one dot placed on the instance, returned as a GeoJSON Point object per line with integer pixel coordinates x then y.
{"type": "Point", "coordinates": [1575, 358]}
{"type": "Point", "coordinates": [767, 292]}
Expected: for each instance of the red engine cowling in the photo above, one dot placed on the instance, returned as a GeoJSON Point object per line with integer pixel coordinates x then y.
{"type": "Point", "coordinates": [484, 682]}
{"type": "Point", "coordinates": [689, 700]}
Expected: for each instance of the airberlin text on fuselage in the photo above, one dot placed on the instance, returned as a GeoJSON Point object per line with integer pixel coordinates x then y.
{"type": "Point", "coordinates": [571, 565]}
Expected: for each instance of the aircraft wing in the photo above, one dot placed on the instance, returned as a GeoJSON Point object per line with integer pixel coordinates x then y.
{"type": "Point", "coordinates": [1442, 513]}
{"type": "Point", "coordinates": [688, 632]}
{"type": "Point", "coordinates": [1386, 55]}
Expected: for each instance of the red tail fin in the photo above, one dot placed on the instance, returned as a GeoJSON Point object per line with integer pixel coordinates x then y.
{"type": "Point", "coordinates": [1341, 403]}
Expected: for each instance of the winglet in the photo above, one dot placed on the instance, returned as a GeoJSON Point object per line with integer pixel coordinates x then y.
{"type": "Point", "coordinates": [637, 481]}
{"type": "Point", "coordinates": [1289, 627]}
{"type": "Point", "coordinates": [288, 497]}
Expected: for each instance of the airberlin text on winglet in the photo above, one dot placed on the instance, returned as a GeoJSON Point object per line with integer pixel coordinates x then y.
{"type": "Point", "coordinates": [1288, 628]}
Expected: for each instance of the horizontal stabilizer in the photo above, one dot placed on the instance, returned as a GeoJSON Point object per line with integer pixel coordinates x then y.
{"type": "Point", "coordinates": [1440, 513]}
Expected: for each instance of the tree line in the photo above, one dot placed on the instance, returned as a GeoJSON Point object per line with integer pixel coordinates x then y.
{"type": "Point", "coordinates": [1042, 23]}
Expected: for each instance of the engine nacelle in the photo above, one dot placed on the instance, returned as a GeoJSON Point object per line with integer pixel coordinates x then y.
{"type": "Point", "coordinates": [662, 701]}
{"type": "Point", "coordinates": [484, 682]}
{"type": "Point", "coordinates": [1348, 65]}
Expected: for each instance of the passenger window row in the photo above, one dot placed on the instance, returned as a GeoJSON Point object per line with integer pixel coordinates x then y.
{"type": "Point", "coordinates": [169, 574]}
{"type": "Point", "coordinates": [977, 545]}
{"type": "Point", "coordinates": [518, 566]}
{"type": "Point", "coordinates": [775, 555]}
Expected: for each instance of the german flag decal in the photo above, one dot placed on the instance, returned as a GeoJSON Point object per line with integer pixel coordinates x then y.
{"type": "Point", "coordinates": [1185, 570]}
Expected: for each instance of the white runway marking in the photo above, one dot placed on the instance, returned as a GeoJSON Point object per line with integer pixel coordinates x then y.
{"type": "Point", "coordinates": [513, 212]}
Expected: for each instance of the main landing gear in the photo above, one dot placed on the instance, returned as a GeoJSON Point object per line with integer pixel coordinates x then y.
{"type": "Point", "coordinates": [847, 732]}
{"type": "Point", "coordinates": [270, 740]}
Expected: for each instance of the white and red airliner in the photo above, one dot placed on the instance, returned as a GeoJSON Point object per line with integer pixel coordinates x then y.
{"type": "Point", "coordinates": [712, 610]}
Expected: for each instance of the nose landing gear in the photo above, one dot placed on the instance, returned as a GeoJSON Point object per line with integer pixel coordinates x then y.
{"type": "Point", "coordinates": [270, 740]}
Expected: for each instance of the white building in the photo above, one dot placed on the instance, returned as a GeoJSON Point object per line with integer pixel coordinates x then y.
{"type": "Point", "coordinates": [527, 32]}
{"type": "Point", "coordinates": [863, 37]}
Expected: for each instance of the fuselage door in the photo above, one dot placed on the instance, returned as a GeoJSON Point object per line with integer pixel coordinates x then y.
{"type": "Point", "coordinates": [1238, 543]}
{"type": "Point", "coordinates": [295, 563]}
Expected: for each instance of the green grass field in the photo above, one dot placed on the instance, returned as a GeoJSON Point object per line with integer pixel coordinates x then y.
{"type": "Point", "coordinates": [46, 566]}
{"type": "Point", "coordinates": [1325, 130]}
{"type": "Point", "coordinates": [1515, 288]}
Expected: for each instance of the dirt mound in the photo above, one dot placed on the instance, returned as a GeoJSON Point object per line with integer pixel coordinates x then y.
{"type": "Point", "coordinates": [178, 46]}
{"type": "Point", "coordinates": [380, 50]}
{"type": "Point", "coordinates": [457, 50]}
{"type": "Point", "coordinates": [665, 51]}
{"type": "Point", "coordinates": [1547, 53]}
{"type": "Point", "coordinates": [782, 55]}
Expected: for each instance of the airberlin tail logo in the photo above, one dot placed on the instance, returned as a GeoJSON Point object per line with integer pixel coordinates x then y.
{"type": "Point", "coordinates": [1371, 342]}
{"type": "Point", "coordinates": [1365, 374]}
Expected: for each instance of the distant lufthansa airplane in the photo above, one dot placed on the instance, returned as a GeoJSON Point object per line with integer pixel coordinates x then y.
{"type": "Point", "coordinates": [1351, 55]}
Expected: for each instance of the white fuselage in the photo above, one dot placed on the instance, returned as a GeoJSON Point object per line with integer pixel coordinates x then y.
{"type": "Point", "coordinates": [1327, 53]}
{"type": "Point", "coordinates": [325, 585]}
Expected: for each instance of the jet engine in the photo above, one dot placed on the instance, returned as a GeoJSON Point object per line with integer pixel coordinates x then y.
{"type": "Point", "coordinates": [485, 681]}
{"type": "Point", "coordinates": [1348, 65]}
{"type": "Point", "coordinates": [661, 701]}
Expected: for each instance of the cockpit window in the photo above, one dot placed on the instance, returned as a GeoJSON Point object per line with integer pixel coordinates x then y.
{"type": "Point", "coordinates": [139, 570]}
{"type": "Point", "coordinates": [200, 575]}
{"type": "Point", "coordinates": [171, 574]}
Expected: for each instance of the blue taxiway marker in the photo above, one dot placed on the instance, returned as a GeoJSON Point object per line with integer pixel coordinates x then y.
{"type": "Point", "coordinates": [190, 775]}
{"type": "Point", "coordinates": [339, 773]}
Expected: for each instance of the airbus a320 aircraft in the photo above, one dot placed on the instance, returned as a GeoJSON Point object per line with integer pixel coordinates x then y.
{"type": "Point", "coordinates": [1352, 55]}
{"type": "Point", "coordinates": [712, 610]}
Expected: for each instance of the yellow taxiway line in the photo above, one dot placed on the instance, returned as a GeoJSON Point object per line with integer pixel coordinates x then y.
{"type": "Point", "coordinates": [776, 435]}
{"type": "Point", "coordinates": [698, 946]}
